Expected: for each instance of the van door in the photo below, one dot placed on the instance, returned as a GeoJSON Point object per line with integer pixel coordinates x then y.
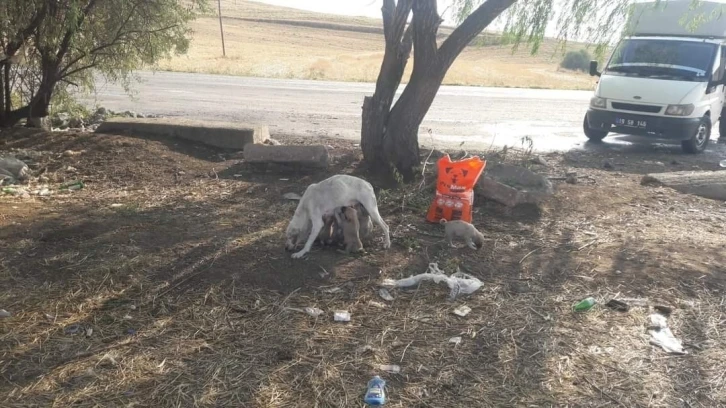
{"type": "Point", "coordinates": [715, 93]}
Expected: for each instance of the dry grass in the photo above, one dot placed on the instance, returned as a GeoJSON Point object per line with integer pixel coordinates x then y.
{"type": "Point", "coordinates": [192, 262]}
{"type": "Point", "coordinates": [260, 41]}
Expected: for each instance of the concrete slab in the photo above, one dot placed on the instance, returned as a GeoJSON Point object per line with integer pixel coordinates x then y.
{"type": "Point", "coordinates": [310, 156]}
{"type": "Point", "coordinates": [513, 185]}
{"type": "Point", "coordinates": [226, 135]}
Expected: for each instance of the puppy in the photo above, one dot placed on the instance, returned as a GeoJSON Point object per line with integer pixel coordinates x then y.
{"type": "Point", "coordinates": [364, 219]}
{"type": "Point", "coordinates": [329, 232]}
{"type": "Point", "coordinates": [464, 230]}
{"type": "Point", "coordinates": [320, 200]}
{"type": "Point", "coordinates": [347, 218]}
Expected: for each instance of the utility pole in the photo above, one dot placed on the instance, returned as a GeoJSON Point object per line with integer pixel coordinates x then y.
{"type": "Point", "coordinates": [221, 28]}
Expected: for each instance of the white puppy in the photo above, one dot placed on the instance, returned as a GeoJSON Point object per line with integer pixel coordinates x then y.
{"type": "Point", "coordinates": [321, 199]}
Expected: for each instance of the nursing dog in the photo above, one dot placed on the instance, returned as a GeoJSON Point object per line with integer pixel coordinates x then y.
{"type": "Point", "coordinates": [320, 201]}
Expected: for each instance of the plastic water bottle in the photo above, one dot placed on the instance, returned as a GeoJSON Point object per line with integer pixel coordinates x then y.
{"type": "Point", "coordinates": [585, 304]}
{"type": "Point", "coordinates": [376, 393]}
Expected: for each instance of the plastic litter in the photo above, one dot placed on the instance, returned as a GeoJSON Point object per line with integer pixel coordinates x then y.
{"type": "Point", "coordinates": [341, 316]}
{"type": "Point", "coordinates": [722, 163]}
{"type": "Point", "coordinates": [455, 340]}
{"type": "Point", "coordinates": [661, 335]}
{"type": "Point", "coordinates": [462, 311]}
{"type": "Point", "coordinates": [376, 392]}
{"type": "Point", "coordinates": [585, 304]}
{"type": "Point", "coordinates": [291, 196]}
{"type": "Point", "coordinates": [4, 313]}
{"type": "Point", "coordinates": [459, 282]}
{"type": "Point", "coordinates": [314, 311]}
{"type": "Point", "coordinates": [385, 294]}
{"type": "Point", "coordinates": [390, 368]}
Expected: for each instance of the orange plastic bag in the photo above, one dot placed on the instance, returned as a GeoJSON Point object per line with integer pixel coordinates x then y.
{"type": "Point", "coordinates": [455, 189]}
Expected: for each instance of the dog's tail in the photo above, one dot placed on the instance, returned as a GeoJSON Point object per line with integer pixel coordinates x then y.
{"type": "Point", "coordinates": [442, 221]}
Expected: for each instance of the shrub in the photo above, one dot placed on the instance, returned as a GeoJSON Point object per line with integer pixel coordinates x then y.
{"type": "Point", "coordinates": [577, 61]}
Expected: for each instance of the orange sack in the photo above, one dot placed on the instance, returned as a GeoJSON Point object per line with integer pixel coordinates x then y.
{"type": "Point", "coordinates": [455, 189]}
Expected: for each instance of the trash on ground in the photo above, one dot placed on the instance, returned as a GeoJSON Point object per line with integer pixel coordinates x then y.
{"type": "Point", "coordinates": [44, 192]}
{"type": "Point", "coordinates": [665, 310]}
{"type": "Point", "coordinates": [585, 304]}
{"type": "Point", "coordinates": [128, 317]}
{"type": "Point", "coordinates": [335, 289]}
{"type": "Point", "coordinates": [376, 304]}
{"type": "Point", "coordinates": [462, 311]}
{"type": "Point", "coordinates": [131, 332]}
{"type": "Point", "coordinates": [661, 335]}
{"type": "Point", "coordinates": [458, 282]}
{"type": "Point", "coordinates": [385, 294]}
{"type": "Point", "coordinates": [4, 313]}
{"type": "Point", "coordinates": [617, 305]}
{"type": "Point", "coordinates": [72, 185]}
{"type": "Point", "coordinates": [13, 169]}
{"type": "Point", "coordinates": [116, 205]}
{"type": "Point", "coordinates": [722, 163]}
{"type": "Point", "coordinates": [390, 368]}
{"type": "Point", "coordinates": [342, 316]}
{"type": "Point", "coordinates": [314, 311]}
{"type": "Point", "coordinates": [291, 196]}
{"type": "Point", "coordinates": [89, 332]}
{"type": "Point", "coordinates": [376, 392]}
{"type": "Point", "coordinates": [455, 340]}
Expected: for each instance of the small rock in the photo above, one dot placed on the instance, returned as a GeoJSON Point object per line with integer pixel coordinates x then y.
{"type": "Point", "coordinates": [25, 195]}
{"type": "Point", "coordinates": [607, 164]}
{"type": "Point", "coordinates": [44, 192]}
{"type": "Point", "coordinates": [70, 153]}
{"type": "Point", "coordinates": [75, 123]}
{"type": "Point", "coordinates": [292, 196]}
{"type": "Point", "coordinates": [130, 114]}
{"type": "Point", "coordinates": [675, 162]}
{"type": "Point", "coordinates": [385, 294]}
{"type": "Point", "coordinates": [4, 313]}
{"type": "Point", "coordinates": [539, 160]}
{"type": "Point", "coordinates": [71, 169]}
{"type": "Point", "coordinates": [141, 116]}
{"type": "Point", "coordinates": [272, 142]}
{"type": "Point", "coordinates": [43, 179]}
{"type": "Point", "coordinates": [462, 311]}
{"type": "Point", "coordinates": [571, 178]}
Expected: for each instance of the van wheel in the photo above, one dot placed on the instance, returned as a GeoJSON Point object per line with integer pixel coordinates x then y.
{"type": "Point", "coordinates": [593, 134]}
{"type": "Point", "coordinates": [698, 142]}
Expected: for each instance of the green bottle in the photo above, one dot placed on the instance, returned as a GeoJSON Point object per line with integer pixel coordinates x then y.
{"type": "Point", "coordinates": [72, 185]}
{"type": "Point", "coordinates": [585, 304]}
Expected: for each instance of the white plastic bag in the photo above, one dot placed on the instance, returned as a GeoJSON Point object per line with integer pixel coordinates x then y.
{"type": "Point", "coordinates": [458, 282]}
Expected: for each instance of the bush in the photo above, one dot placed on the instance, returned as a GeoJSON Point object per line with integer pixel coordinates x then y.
{"type": "Point", "coordinates": [577, 61]}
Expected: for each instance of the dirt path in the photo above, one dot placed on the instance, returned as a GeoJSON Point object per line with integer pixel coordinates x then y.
{"type": "Point", "coordinates": [173, 256]}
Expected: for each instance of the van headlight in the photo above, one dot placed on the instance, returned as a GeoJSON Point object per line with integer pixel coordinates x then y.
{"type": "Point", "coordinates": [598, 102]}
{"type": "Point", "coordinates": [680, 110]}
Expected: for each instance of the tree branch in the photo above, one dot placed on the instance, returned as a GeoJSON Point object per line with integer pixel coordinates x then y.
{"type": "Point", "coordinates": [426, 21]}
{"type": "Point", "coordinates": [470, 28]}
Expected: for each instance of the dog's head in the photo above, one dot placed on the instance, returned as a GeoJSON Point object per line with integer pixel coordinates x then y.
{"type": "Point", "coordinates": [296, 234]}
{"type": "Point", "coordinates": [350, 214]}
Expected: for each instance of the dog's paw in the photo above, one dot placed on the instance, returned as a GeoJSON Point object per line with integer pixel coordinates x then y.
{"type": "Point", "coordinates": [298, 255]}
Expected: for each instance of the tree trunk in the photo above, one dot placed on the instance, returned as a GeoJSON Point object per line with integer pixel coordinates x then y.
{"type": "Point", "coordinates": [376, 108]}
{"type": "Point", "coordinates": [390, 136]}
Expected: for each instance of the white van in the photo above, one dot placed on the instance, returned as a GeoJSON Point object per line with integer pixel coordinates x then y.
{"type": "Point", "coordinates": [663, 81]}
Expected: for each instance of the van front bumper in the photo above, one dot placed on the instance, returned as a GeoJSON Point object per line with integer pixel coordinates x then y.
{"type": "Point", "coordinates": [673, 128]}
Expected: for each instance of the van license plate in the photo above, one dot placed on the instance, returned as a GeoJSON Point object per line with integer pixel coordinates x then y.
{"type": "Point", "coordinates": [640, 124]}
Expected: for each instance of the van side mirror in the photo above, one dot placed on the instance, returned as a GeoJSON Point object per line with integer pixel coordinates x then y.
{"type": "Point", "coordinates": [593, 68]}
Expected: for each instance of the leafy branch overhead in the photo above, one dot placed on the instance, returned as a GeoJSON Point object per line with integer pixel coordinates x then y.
{"type": "Point", "coordinates": [67, 41]}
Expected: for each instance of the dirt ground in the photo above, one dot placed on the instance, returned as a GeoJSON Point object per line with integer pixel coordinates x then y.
{"type": "Point", "coordinates": [164, 282]}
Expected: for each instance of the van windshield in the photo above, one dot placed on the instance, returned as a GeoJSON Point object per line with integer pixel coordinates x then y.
{"type": "Point", "coordinates": [663, 59]}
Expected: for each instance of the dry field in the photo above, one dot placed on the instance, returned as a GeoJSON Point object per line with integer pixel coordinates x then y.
{"type": "Point", "coordinates": [277, 42]}
{"type": "Point", "coordinates": [165, 283]}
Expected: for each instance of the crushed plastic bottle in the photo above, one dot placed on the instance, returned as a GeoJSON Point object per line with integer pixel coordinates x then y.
{"type": "Point", "coordinates": [585, 304]}
{"type": "Point", "coordinates": [72, 185]}
{"type": "Point", "coordinates": [376, 393]}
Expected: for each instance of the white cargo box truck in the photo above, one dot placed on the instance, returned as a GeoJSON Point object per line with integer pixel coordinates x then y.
{"type": "Point", "coordinates": [666, 79]}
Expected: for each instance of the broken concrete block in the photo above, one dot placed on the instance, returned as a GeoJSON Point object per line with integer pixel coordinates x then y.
{"type": "Point", "coordinates": [310, 156]}
{"type": "Point", "coordinates": [707, 184]}
{"type": "Point", "coordinates": [513, 185]}
{"type": "Point", "coordinates": [218, 134]}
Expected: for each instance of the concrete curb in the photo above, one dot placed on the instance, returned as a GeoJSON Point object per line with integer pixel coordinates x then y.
{"type": "Point", "coordinates": [226, 135]}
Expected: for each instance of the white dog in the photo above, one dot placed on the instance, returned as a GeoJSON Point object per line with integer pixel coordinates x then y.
{"type": "Point", "coordinates": [321, 199]}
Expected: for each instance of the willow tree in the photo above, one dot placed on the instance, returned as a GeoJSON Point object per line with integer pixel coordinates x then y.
{"type": "Point", "coordinates": [389, 133]}
{"type": "Point", "coordinates": [46, 45]}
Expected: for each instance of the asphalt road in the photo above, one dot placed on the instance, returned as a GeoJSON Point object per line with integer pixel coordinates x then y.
{"type": "Point", "coordinates": [481, 117]}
